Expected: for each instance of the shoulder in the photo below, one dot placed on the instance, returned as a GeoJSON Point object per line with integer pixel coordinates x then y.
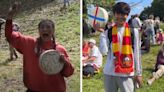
{"type": "Point", "coordinates": [23, 37]}
{"type": "Point", "coordinates": [61, 47]}
{"type": "Point", "coordinates": [95, 48]}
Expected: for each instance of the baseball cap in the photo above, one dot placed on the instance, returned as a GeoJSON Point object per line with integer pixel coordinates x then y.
{"type": "Point", "coordinates": [92, 41]}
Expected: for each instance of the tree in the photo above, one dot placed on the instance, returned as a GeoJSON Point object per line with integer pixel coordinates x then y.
{"type": "Point", "coordinates": [156, 7]}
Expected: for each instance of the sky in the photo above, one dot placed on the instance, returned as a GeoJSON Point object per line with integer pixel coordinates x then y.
{"type": "Point", "coordinates": [138, 8]}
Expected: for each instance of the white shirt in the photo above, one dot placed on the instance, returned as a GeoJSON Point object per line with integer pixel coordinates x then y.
{"type": "Point", "coordinates": [109, 68]}
{"type": "Point", "coordinates": [149, 23]}
{"type": "Point", "coordinates": [136, 22]}
{"type": "Point", "coordinates": [96, 53]}
{"type": "Point", "coordinates": [103, 45]}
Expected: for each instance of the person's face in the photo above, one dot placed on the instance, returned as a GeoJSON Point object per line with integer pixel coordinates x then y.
{"type": "Point", "coordinates": [91, 44]}
{"type": "Point", "coordinates": [46, 31]}
{"type": "Point", "coordinates": [120, 19]}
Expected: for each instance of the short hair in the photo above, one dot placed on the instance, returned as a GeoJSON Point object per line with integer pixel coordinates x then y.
{"type": "Point", "coordinates": [151, 16]}
{"type": "Point", "coordinates": [121, 8]}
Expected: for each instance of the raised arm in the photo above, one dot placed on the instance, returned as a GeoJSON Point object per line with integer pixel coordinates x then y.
{"type": "Point", "coordinates": [14, 38]}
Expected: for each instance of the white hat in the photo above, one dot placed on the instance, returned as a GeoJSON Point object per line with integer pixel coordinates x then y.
{"type": "Point", "coordinates": [92, 41]}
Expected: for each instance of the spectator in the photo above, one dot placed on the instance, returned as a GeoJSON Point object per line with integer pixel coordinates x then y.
{"type": "Point", "coordinates": [94, 62]}
{"type": "Point", "coordinates": [159, 67]}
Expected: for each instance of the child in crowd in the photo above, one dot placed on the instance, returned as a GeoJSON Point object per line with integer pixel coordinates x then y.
{"type": "Point", "coordinates": [160, 36]}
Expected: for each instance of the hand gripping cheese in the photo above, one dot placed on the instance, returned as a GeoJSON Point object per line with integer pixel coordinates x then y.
{"type": "Point", "coordinates": [98, 15]}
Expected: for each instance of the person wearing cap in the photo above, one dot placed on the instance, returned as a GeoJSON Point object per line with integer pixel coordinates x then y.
{"type": "Point", "coordinates": [94, 61]}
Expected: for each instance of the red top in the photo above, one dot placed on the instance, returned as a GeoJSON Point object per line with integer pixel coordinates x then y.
{"type": "Point", "coordinates": [86, 49]}
{"type": "Point", "coordinates": [34, 78]}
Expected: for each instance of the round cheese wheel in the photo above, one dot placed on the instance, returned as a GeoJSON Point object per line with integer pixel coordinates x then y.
{"type": "Point", "coordinates": [98, 15]}
{"type": "Point", "coordinates": [49, 62]}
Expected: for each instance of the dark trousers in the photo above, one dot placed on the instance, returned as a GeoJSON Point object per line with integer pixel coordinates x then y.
{"type": "Point", "coordinates": [88, 70]}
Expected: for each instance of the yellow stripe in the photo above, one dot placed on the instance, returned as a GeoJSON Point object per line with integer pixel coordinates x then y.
{"type": "Point", "coordinates": [115, 47]}
{"type": "Point", "coordinates": [114, 30]}
{"type": "Point", "coordinates": [127, 32]}
{"type": "Point", "coordinates": [126, 49]}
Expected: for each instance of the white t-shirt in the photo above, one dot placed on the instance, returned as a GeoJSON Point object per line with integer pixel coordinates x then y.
{"type": "Point", "coordinates": [136, 22]}
{"type": "Point", "coordinates": [149, 23]}
{"type": "Point", "coordinates": [96, 53]}
{"type": "Point", "coordinates": [103, 44]}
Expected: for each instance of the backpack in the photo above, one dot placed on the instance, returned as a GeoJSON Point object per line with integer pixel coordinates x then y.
{"type": "Point", "coordinates": [109, 35]}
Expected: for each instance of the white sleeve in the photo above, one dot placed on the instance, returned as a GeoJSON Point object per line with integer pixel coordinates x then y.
{"type": "Point", "coordinates": [95, 52]}
{"type": "Point", "coordinates": [139, 22]}
{"type": "Point", "coordinates": [107, 39]}
{"type": "Point", "coordinates": [137, 53]}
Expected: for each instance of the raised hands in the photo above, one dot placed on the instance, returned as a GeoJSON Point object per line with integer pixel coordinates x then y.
{"type": "Point", "coordinates": [13, 10]}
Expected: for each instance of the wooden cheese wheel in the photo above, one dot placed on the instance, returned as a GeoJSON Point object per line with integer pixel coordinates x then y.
{"type": "Point", "coordinates": [49, 62]}
{"type": "Point", "coordinates": [98, 15]}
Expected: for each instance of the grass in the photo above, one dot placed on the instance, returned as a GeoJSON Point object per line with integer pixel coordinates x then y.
{"type": "Point", "coordinates": [67, 33]}
{"type": "Point", "coordinates": [95, 84]}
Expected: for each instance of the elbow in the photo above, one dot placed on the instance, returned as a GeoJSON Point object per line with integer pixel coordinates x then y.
{"type": "Point", "coordinates": [69, 73]}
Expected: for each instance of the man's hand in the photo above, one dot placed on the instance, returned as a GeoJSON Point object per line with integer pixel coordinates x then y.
{"type": "Point", "coordinates": [97, 27]}
{"type": "Point", "coordinates": [138, 79]}
{"type": "Point", "coordinates": [13, 10]}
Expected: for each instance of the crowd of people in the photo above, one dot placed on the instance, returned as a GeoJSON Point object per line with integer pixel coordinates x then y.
{"type": "Point", "coordinates": [123, 43]}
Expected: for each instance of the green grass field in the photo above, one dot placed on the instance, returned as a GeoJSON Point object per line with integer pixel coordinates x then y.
{"type": "Point", "coordinates": [67, 33]}
{"type": "Point", "coordinates": [95, 84]}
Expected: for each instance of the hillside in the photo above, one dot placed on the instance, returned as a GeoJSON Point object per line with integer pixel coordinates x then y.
{"type": "Point", "coordinates": [96, 84]}
{"type": "Point", "coordinates": [67, 33]}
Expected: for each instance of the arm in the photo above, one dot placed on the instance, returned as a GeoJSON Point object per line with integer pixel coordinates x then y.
{"type": "Point", "coordinates": [139, 22]}
{"type": "Point", "coordinates": [90, 59]}
{"type": "Point", "coordinates": [14, 38]}
{"type": "Point", "coordinates": [137, 56]}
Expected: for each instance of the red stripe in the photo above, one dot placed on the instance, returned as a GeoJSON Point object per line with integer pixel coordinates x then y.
{"type": "Point", "coordinates": [95, 15]}
{"type": "Point", "coordinates": [126, 25]}
{"type": "Point", "coordinates": [114, 39]}
{"type": "Point", "coordinates": [127, 40]}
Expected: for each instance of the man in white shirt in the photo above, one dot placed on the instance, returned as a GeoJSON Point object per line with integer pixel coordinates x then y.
{"type": "Point", "coordinates": [94, 61]}
{"type": "Point", "coordinates": [115, 80]}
